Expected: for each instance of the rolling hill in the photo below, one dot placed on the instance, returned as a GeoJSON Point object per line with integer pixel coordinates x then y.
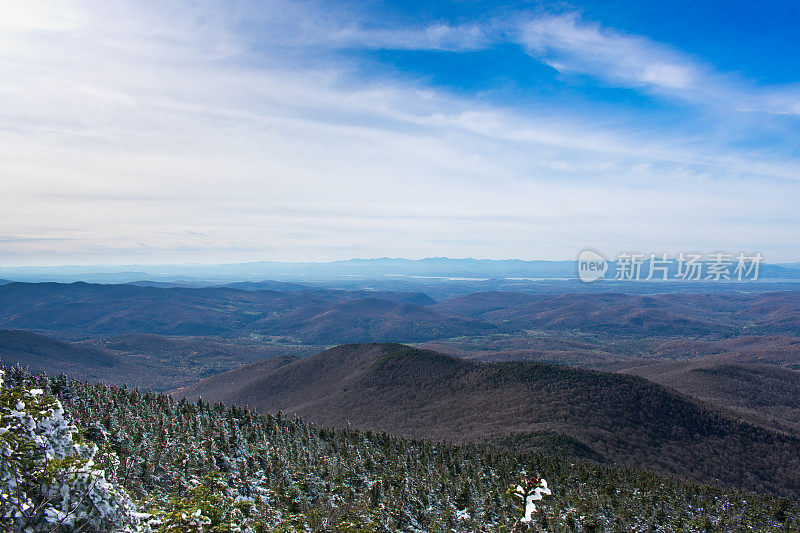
{"type": "Point", "coordinates": [43, 354]}
{"type": "Point", "coordinates": [564, 350]}
{"type": "Point", "coordinates": [138, 360]}
{"type": "Point", "coordinates": [421, 393]}
{"type": "Point", "coordinates": [314, 316]}
{"type": "Point", "coordinates": [766, 394]}
{"type": "Point", "coordinates": [617, 352]}
{"type": "Point", "coordinates": [326, 316]}
{"type": "Point", "coordinates": [782, 350]}
{"type": "Point", "coordinates": [371, 318]}
{"type": "Point", "coordinates": [693, 315]}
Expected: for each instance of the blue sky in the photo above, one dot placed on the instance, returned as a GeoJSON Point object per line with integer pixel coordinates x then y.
{"type": "Point", "coordinates": [150, 132]}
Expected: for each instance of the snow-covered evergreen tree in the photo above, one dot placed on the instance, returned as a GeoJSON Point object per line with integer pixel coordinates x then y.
{"type": "Point", "coordinates": [49, 478]}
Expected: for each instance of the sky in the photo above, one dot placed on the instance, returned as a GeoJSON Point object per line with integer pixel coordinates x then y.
{"type": "Point", "coordinates": [167, 132]}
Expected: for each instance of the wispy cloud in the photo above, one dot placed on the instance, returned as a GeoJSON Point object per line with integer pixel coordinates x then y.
{"type": "Point", "coordinates": [155, 131]}
{"type": "Point", "coordinates": [444, 37]}
{"type": "Point", "coordinates": [572, 45]}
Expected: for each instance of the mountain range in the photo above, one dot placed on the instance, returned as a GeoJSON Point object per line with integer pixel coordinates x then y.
{"type": "Point", "coordinates": [327, 316]}
{"type": "Point", "coordinates": [314, 316]}
{"type": "Point", "coordinates": [441, 267]}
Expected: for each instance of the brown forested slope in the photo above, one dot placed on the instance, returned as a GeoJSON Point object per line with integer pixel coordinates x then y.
{"type": "Point", "coordinates": [421, 393]}
{"type": "Point", "coordinates": [695, 315]}
{"type": "Point", "coordinates": [766, 394]}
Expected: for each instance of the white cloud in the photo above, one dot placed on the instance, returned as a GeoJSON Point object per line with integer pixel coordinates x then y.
{"type": "Point", "coordinates": [143, 135]}
{"type": "Point", "coordinates": [432, 37]}
{"type": "Point", "coordinates": [21, 15]}
{"type": "Point", "coordinates": [572, 45]}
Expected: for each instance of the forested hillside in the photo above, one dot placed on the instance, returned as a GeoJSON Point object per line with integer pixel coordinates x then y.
{"type": "Point", "coordinates": [425, 394]}
{"type": "Point", "coordinates": [178, 466]}
{"type": "Point", "coordinates": [768, 394]}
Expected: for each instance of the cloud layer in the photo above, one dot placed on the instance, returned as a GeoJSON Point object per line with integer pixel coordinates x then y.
{"type": "Point", "coordinates": [225, 132]}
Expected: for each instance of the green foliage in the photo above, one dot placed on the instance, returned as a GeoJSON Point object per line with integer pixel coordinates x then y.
{"type": "Point", "coordinates": [204, 507]}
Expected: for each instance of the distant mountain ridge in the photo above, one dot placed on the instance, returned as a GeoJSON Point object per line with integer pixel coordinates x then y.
{"type": "Point", "coordinates": [315, 316]}
{"type": "Point", "coordinates": [320, 270]}
{"type": "Point", "coordinates": [332, 316]}
{"type": "Point", "coordinates": [258, 270]}
{"type": "Point", "coordinates": [420, 393]}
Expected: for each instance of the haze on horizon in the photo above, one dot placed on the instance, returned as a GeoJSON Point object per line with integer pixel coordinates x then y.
{"type": "Point", "coordinates": [223, 132]}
